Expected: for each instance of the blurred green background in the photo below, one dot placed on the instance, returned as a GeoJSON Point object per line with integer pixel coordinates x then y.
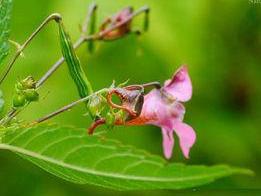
{"type": "Point", "coordinates": [220, 41]}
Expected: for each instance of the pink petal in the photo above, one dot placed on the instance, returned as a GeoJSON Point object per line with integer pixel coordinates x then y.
{"type": "Point", "coordinates": [180, 85]}
{"type": "Point", "coordinates": [187, 136]}
{"type": "Point", "coordinates": [168, 142]}
{"type": "Point", "coordinates": [177, 111]}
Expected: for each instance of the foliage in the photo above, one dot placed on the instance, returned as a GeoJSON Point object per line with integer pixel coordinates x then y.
{"type": "Point", "coordinates": [5, 15]}
{"type": "Point", "coordinates": [69, 154]}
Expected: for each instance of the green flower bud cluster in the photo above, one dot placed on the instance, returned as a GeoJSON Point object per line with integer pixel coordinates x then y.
{"type": "Point", "coordinates": [25, 92]}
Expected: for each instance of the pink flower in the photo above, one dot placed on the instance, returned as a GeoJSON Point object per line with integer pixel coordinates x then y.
{"type": "Point", "coordinates": [163, 108]}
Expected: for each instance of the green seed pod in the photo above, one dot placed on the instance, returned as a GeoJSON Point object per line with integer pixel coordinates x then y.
{"type": "Point", "coordinates": [31, 95]}
{"type": "Point", "coordinates": [110, 120]}
{"type": "Point", "coordinates": [75, 69]}
{"type": "Point", "coordinates": [19, 100]}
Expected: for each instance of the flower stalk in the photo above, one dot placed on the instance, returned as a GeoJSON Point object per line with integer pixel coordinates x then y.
{"type": "Point", "coordinates": [67, 107]}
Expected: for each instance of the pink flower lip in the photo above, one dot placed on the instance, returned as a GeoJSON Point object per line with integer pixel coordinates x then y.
{"type": "Point", "coordinates": [163, 108]}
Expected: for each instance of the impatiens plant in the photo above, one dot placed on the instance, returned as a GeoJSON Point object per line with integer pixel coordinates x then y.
{"type": "Point", "coordinates": [93, 158]}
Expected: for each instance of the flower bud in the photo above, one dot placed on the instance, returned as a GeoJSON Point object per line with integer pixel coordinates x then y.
{"type": "Point", "coordinates": [95, 105]}
{"type": "Point", "coordinates": [28, 83]}
{"type": "Point", "coordinates": [31, 95]}
{"type": "Point", "coordinates": [19, 100]}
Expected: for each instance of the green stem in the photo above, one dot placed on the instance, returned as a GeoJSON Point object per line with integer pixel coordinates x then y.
{"type": "Point", "coordinates": [83, 38]}
{"type": "Point", "coordinates": [55, 16]}
{"type": "Point", "coordinates": [69, 106]}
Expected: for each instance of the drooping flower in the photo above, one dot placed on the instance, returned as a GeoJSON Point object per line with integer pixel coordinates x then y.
{"type": "Point", "coordinates": [163, 108]}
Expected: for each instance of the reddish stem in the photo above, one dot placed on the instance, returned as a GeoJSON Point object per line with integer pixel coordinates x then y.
{"type": "Point", "coordinates": [95, 124]}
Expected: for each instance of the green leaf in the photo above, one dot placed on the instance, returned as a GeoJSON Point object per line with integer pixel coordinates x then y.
{"type": "Point", "coordinates": [71, 154]}
{"type": "Point", "coordinates": [5, 15]}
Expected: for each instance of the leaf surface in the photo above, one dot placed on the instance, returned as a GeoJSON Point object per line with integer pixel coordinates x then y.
{"type": "Point", "coordinates": [5, 15]}
{"type": "Point", "coordinates": [71, 154]}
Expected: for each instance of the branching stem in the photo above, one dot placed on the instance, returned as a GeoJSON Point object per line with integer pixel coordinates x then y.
{"type": "Point", "coordinates": [83, 38]}
{"type": "Point", "coordinates": [55, 16]}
